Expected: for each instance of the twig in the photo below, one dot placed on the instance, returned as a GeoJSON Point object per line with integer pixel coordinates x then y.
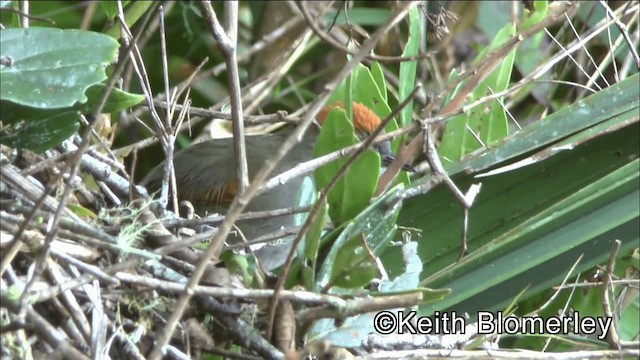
{"type": "Point", "coordinates": [227, 42]}
{"type": "Point", "coordinates": [305, 297]}
{"type": "Point", "coordinates": [44, 329]}
{"type": "Point", "coordinates": [361, 306]}
{"type": "Point", "coordinates": [625, 33]}
{"type": "Point", "coordinates": [29, 16]}
{"type": "Point", "coordinates": [607, 293]}
{"type": "Point", "coordinates": [466, 200]}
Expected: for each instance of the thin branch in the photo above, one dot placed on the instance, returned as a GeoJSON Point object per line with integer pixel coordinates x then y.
{"type": "Point", "coordinates": [607, 294]}
{"type": "Point", "coordinates": [227, 42]}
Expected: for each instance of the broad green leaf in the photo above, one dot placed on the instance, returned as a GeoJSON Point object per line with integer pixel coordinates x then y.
{"type": "Point", "coordinates": [52, 68]}
{"type": "Point", "coordinates": [36, 129]}
{"type": "Point", "coordinates": [361, 181]}
{"type": "Point", "coordinates": [410, 279]}
{"type": "Point", "coordinates": [336, 133]}
{"type": "Point", "coordinates": [42, 129]}
{"type": "Point", "coordinates": [494, 125]}
{"type": "Point", "coordinates": [577, 190]}
{"type": "Point", "coordinates": [557, 231]}
{"type": "Point", "coordinates": [366, 92]}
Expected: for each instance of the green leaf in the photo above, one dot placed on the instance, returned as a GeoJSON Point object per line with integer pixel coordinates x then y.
{"type": "Point", "coordinates": [36, 129]}
{"type": "Point", "coordinates": [116, 101]}
{"type": "Point", "coordinates": [354, 266]}
{"type": "Point", "coordinates": [82, 211]}
{"type": "Point", "coordinates": [378, 78]}
{"type": "Point", "coordinates": [336, 133]}
{"type": "Point", "coordinates": [377, 223]}
{"type": "Point", "coordinates": [132, 14]}
{"type": "Point", "coordinates": [410, 279]}
{"type": "Point", "coordinates": [311, 245]}
{"type": "Point", "coordinates": [408, 68]}
{"type": "Point", "coordinates": [366, 92]}
{"type": "Point", "coordinates": [353, 191]}
{"type": "Point", "coordinates": [558, 229]}
{"type": "Point", "coordinates": [540, 9]}
{"type": "Point", "coordinates": [42, 129]}
{"type": "Point", "coordinates": [359, 16]}
{"type": "Point", "coordinates": [482, 125]}
{"type": "Point", "coordinates": [494, 125]}
{"type": "Point", "coordinates": [361, 182]}
{"type": "Point", "coordinates": [52, 68]}
{"type": "Point", "coordinates": [111, 8]}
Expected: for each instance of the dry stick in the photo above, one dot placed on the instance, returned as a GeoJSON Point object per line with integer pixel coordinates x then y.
{"type": "Point", "coordinates": [169, 145]}
{"type": "Point", "coordinates": [361, 306]}
{"type": "Point", "coordinates": [306, 297]}
{"type": "Point", "coordinates": [43, 329]}
{"type": "Point", "coordinates": [322, 199]}
{"type": "Point", "coordinates": [308, 166]}
{"type": "Point", "coordinates": [612, 336]}
{"type": "Point", "coordinates": [227, 42]}
{"type": "Point", "coordinates": [280, 116]}
{"type": "Point", "coordinates": [465, 199]}
{"type": "Point", "coordinates": [218, 218]}
{"type": "Point", "coordinates": [625, 32]}
{"type": "Point", "coordinates": [70, 303]}
{"type": "Point", "coordinates": [240, 202]}
{"type": "Point", "coordinates": [166, 138]}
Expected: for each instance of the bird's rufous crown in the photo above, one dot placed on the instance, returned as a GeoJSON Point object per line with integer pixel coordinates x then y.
{"type": "Point", "coordinates": [364, 119]}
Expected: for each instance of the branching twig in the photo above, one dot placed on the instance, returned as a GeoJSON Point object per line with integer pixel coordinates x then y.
{"type": "Point", "coordinates": [227, 42]}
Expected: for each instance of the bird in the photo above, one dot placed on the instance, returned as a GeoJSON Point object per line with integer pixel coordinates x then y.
{"type": "Point", "coordinates": [206, 176]}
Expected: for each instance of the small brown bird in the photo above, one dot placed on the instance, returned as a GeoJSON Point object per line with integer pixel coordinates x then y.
{"type": "Point", "coordinates": [206, 176]}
